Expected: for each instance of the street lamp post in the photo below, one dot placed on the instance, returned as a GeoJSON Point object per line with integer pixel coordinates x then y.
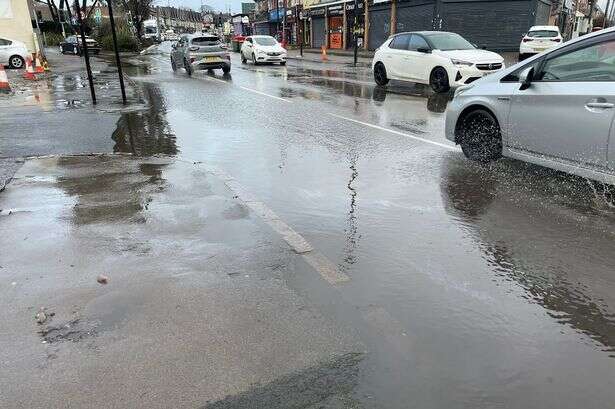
{"type": "Point", "coordinates": [355, 29]}
{"type": "Point", "coordinates": [117, 54]}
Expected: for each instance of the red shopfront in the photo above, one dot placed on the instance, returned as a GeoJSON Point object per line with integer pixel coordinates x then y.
{"type": "Point", "coordinates": [336, 26]}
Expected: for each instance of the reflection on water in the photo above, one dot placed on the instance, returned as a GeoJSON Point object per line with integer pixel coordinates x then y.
{"type": "Point", "coordinates": [110, 189]}
{"type": "Point", "coordinates": [351, 230]}
{"type": "Point", "coordinates": [146, 132]}
{"type": "Point", "coordinates": [541, 230]}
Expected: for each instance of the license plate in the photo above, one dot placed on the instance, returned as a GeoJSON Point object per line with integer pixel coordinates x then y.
{"type": "Point", "coordinates": [212, 59]}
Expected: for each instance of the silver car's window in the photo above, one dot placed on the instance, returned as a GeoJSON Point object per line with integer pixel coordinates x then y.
{"type": "Point", "coordinates": [4, 42]}
{"type": "Point", "coordinates": [593, 63]}
{"type": "Point", "coordinates": [206, 40]}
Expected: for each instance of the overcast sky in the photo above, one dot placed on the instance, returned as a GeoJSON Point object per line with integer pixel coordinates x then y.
{"type": "Point", "coordinates": [219, 5]}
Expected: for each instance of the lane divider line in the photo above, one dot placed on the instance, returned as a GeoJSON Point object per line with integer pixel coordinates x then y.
{"type": "Point", "coordinates": [327, 270]}
{"type": "Point", "coordinates": [381, 128]}
{"type": "Point", "coordinates": [238, 86]}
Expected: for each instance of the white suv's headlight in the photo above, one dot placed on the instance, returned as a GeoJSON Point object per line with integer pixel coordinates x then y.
{"type": "Point", "coordinates": [461, 63]}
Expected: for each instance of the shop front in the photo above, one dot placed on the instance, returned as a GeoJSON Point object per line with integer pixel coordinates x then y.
{"type": "Point", "coordinates": [335, 26]}
{"type": "Point", "coordinates": [317, 24]}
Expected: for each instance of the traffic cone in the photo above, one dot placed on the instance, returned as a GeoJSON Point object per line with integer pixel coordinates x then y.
{"type": "Point", "coordinates": [323, 55]}
{"type": "Point", "coordinates": [38, 67]}
{"type": "Point", "coordinates": [5, 88]}
{"type": "Point", "coordinates": [29, 74]}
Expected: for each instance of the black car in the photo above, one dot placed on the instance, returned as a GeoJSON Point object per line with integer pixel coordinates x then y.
{"type": "Point", "coordinates": [73, 45]}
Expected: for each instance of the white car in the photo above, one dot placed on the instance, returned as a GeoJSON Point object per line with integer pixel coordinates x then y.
{"type": "Point", "coordinates": [441, 59]}
{"type": "Point", "coordinates": [539, 39]}
{"type": "Point", "coordinates": [262, 49]}
{"type": "Point", "coordinates": [170, 35]}
{"type": "Point", "coordinates": [13, 53]}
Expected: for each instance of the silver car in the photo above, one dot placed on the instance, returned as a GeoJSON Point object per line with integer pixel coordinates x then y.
{"type": "Point", "coordinates": [555, 109]}
{"type": "Point", "coordinates": [200, 52]}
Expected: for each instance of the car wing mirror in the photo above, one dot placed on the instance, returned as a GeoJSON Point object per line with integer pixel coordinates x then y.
{"type": "Point", "coordinates": [525, 78]}
{"type": "Point", "coordinates": [424, 50]}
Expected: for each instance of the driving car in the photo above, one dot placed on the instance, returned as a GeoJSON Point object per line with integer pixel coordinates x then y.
{"type": "Point", "coordinates": [440, 59]}
{"type": "Point", "coordinates": [539, 39]}
{"type": "Point", "coordinates": [262, 49]}
{"type": "Point", "coordinates": [556, 109]}
{"type": "Point", "coordinates": [73, 45]}
{"type": "Point", "coordinates": [13, 53]}
{"type": "Point", "coordinates": [200, 52]}
{"type": "Point", "coordinates": [170, 35]}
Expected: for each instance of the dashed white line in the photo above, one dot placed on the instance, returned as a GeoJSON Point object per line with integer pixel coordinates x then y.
{"type": "Point", "coordinates": [264, 94]}
{"type": "Point", "coordinates": [381, 128]}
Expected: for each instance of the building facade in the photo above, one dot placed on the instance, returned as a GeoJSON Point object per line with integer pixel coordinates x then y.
{"type": "Point", "coordinates": [16, 23]}
{"type": "Point", "coordinates": [495, 24]}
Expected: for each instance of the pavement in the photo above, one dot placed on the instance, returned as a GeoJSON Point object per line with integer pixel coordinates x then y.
{"type": "Point", "coordinates": [296, 237]}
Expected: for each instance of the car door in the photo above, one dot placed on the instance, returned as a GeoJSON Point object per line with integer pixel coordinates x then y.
{"type": "Point", "coordinates": [567, 110]}
{"type": "Point", "coordinates": [394, 61]}
{"type": "Point", "coordinates": [417, 61]}
{"type": "Point", "coordinates": [5, 46]}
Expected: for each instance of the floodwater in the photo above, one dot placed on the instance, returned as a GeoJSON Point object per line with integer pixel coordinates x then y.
{"type": "Point", "coordinates": [472, 286]}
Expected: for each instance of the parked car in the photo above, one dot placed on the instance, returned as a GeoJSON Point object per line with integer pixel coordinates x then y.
{"type": "Point", "coordinates": [440, 59]}
{"type": "Point", "coordinates": [170, 35]}
{"type": "Point", "coordinates": [73, 45]}
{"type": "Point", "coordinates": [557, 109]}
{"type": "Point", "coordinates": [13, 53]}
{"type": "Point", "coordinates": [262, 49]}
{"type": "Point", "coordinates": [539, 39]}
{"type": "Point", "coordinates": [200, 52]}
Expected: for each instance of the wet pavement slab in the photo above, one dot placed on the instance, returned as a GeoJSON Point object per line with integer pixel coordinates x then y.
{"type": "Point", "coordinates": [195, 311]}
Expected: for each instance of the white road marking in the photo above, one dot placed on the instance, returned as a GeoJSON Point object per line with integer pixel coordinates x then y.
{"type": "Point", "coordinates": [298, 243]}
{"type": "Point", "coordinates": [239, 86]}
{"type": "Point", "coordinates": [380, 128]}
{"type": "Point", "coordinates": [266, 95]}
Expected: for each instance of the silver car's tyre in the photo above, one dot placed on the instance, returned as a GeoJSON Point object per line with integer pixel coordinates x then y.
{"type": "Point", "coordinates": [16, 61]}
{"type": "Point", "coordinates": [479, 135]}
{"type": "Point", "coordinates": [254, 59]}
{"type": "Point", "coordinates": [226, 70]}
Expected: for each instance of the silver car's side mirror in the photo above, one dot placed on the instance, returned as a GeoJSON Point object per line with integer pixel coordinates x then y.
{"type": "Point", "coordinates": [526, 77]}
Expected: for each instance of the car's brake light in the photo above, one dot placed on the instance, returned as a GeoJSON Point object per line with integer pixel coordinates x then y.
{"type": "Point", "coordinates": [525, 40]}
{"type": "Point", "coordinates": [194, 48]}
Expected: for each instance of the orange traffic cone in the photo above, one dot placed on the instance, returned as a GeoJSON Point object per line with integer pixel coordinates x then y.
{"type": "Point", "coordinates": [5, 88]}
{"type": "Point", "coordinates": [29, 74]}
{"type": "Point", "coordinates": [38, 67]}
{"type": "Point", "coordinates": [323, 55]}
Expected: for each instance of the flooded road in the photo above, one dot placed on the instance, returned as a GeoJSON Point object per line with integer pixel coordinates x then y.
{"type": "Point", "coordinates": [464, 285]}
{"type": "Point", "coordinates": [473, 286]}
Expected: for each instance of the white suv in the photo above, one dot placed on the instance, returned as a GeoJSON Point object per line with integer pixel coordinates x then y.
{"type": "Point", "coordinates": [539, 39]}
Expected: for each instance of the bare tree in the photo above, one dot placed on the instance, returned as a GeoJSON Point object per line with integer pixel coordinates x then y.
{"type": "Point", "coordinates": [139, 11]}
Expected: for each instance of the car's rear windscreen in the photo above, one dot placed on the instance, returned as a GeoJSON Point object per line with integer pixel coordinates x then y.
{"type": "Point", "coordinates": [205, 41]}
{"type": "Point", "coordinates": [542, 34]}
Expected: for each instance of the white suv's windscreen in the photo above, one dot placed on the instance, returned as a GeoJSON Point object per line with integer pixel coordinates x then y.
{"type": "Point", "coordinates": [449, 41]}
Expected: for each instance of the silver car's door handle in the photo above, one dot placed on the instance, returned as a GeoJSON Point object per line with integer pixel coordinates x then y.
{"type": "Point", "coordinates": [503, 98]}
{"type": "Point", "coordinates": [600, 105]}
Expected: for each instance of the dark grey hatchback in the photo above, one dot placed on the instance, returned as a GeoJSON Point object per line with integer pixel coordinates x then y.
{"type": "Point", "coordinates": [200, 52]}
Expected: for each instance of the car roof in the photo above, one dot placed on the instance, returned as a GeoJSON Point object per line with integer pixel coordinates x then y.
{"type": "Point", "coordinates": [550, 28]}
{"type": "Point", "coordinates": [425, 32]}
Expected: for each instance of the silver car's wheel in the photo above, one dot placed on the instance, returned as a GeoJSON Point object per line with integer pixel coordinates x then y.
{"type": "Point", "coordinates": [16, 61]}
{"type": "Point", "coordinates": [254, 59]}
{"type": "Point", "coordinates": [479, 135]}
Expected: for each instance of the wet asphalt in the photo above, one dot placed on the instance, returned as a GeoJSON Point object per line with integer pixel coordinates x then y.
{"type": "Point", "coordinates": [470, 286]}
